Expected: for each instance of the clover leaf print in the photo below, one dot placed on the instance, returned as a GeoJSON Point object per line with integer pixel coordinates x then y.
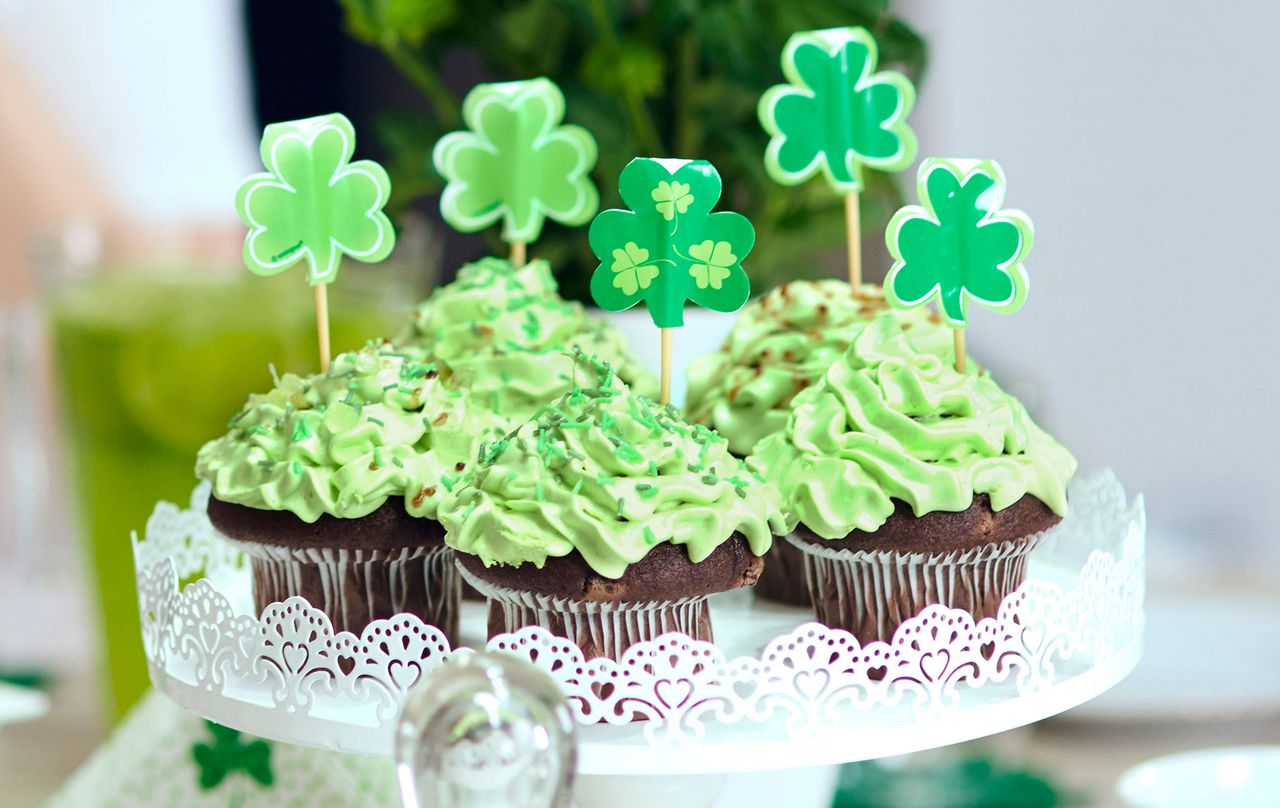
{"type": "Point", "coordinates": [717, 260]}
{"type": "Point", "coordinates": [632, 272]}
{"type": "Point", "coordinates": [836, 113]}
{"type": "Point", "coordinates": [312, 203]}
{"type": "Point", "coordinates": [958, 244]}
{"type": "Point", "coordinates": [672, 198]}
{"type": "Point", "coordinates": [517, 162]}
{"type": "Point", "coordinates": [228, 754]}
{"type": "Point", "coordinates": [669, 247]}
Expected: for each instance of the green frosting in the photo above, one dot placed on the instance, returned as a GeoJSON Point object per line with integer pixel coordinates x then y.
{"type": "Point", "coordinates": [610, 474]}
{"type": "Point", "coordinates": [382, 422]}
{"type": "Point", "coordinates": [504, 331]}
{"type": "Point", "coordinates": [890, 422]}
{"type": "Point", "coordinates": [782, 343]}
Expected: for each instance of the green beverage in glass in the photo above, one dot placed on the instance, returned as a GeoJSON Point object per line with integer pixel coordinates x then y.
{"type": "Point", "coordinates": [151, 365]}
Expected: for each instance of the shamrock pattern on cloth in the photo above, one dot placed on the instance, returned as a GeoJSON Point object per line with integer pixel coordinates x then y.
{"type": "Point", "coordinates": [228, 754]}
{"type": "Point", "coordinates": [313, 203]}
{"type": "Point", "coordinates": [517, 163]}
{"type": "Point", "coordinates": [669, 247]}
{"type": "Point", "coordinates": [836, 113]}
{"type": "Point", "coordinates": [958, 243]}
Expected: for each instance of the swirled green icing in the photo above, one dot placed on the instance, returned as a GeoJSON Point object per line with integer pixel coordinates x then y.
{"type": "Point", "coordinates": [504, 329]}
{"type": "Point", "coordinates": [782, 343]}
{"type": "Point", "coordinates": [609, 474]}
{"type": "Point", "coordinates": [382, 422]}
{"type": "Point", "coordinates": [890, 422]}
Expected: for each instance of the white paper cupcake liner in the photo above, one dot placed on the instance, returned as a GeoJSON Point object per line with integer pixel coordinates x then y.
{"type": "Point", "coordinates": [870, 593]}
{"type": "Point", "coordinates": [599, 628]}
{"type": "Point", "coordinates": [355, 586]}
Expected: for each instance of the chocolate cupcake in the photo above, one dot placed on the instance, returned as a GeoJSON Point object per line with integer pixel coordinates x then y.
{"type": "Point", "coordinates": [908, 484]}
{"type": "Point", "coordinates": [504, 329]}
{"type": "Point", "coordinates": [330, 483]}
{"type": "Point", "coordinates": [609, 519]}
{"type": "Point", "coordinates": [781, 344]}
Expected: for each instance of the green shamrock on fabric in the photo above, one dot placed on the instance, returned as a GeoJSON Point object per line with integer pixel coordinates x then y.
{"type": "Point", "coordinates": [836, 112]}
{"type": "Point", "coordinates": [228, 754]}
{"type": "Point", "coordinates": [958, 244]}
{"type": "Point", "coordinates": [312, 203]}
{"type": "Point", "coordinates": [518, 163]}
{"type": "Point", "coordinates": [670, 247]}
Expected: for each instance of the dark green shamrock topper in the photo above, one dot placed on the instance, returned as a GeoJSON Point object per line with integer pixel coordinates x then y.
{"type": "Point", "coordinates": [836, 113]}
{"type": "Point", "coordinates": [670, 247]}
{"type": "Point", "coordinates": [958, 244]}
{"type": "Point", "coordinates": [228, 753]}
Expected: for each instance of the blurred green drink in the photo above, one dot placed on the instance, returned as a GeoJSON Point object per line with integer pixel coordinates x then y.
{"type": "Point", "coordinates": [151, 365]}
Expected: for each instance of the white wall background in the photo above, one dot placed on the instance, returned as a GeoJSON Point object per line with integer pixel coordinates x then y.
{"type": "Point", "coordinates": [1142, 139]}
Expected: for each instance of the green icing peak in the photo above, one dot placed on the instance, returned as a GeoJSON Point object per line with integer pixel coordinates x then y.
{"type": "Point", "coordinates": [382, 421]}
{"type": "Point", "coordinates": [783, 343]}
{"type": "Point", "coordinates": [496, 325]}
{"type": "Point", "coordinates": [609, 474]}
{"type": "Point", "coordinates": [888, 422]}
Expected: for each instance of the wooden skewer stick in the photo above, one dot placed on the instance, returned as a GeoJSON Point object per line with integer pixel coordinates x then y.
{"type": "Point", "coordinates": [957, 336]}
{"type": "Point", "coordinates": [517, 253]}
{"type": "Point", "coordinates": [322, 323]}
{"type": "Point", "coordinates": [665, 396]}
{"type": "Point", "coordinates": [853, 232]}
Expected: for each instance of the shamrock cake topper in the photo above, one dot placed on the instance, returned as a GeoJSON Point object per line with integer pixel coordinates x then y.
{"type": "Point", "coordinates": [670, 247]}
{"type": "Point", "coordinates": [516, 163]}
{"type": "Point", "coordinates": [958, 244]}
{"type": "Point", "coordinates": [313, 204]}
{"type": "Point", "coordinates": [835, 114]}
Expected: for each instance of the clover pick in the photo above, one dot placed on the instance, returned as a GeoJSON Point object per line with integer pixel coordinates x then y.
{"type": "Point", "coordinates": [516, 162]}
{"type": "Point", "coordinates": [958, 245]}
{"type": "Point", "coordinates": [669, 247]}
{"type": "Point", "coordinates": [313, 204]}
{"type": "Point", "coordinates": [834, 115]}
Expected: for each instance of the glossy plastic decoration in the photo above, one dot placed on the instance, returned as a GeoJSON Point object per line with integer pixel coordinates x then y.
{"type": "Point", "coordinates": [313, 204]}
{"type": "Point", "coordinates": [836, 114]}
{"type": "Point", "coordinates": [486, 730]}
{"type": "Point", "coordinates": [517, 162]}
{"type": "Point", "coordinates": [958, 244]}
{"type": "Point", "coordinates": [670, 247]}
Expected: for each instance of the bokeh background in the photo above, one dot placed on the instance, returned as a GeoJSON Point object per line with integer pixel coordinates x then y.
{"type": "Point", "coordinates": [1138, 135]}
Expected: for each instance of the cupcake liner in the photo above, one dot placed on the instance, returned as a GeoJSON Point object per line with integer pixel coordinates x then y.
{"type": "Point", "coordinates": [783, 579]}
{"type": "Point", "coordinates": [870, 593]}
{"type": "Point", "coordinates": [599, 628]}
{"type": "Point", "coordinates": [355, 587]}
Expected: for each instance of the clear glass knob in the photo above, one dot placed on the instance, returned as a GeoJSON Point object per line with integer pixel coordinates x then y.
{"type": "Point", "coordinates": [486, 730]}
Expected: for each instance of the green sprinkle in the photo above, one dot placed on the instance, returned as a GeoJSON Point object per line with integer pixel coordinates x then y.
{"type": "Point", "coordinates": [297, 468]}
{"type": "Point", "coordinates": [375, 420]}
{"type": "Point", "coordinates": [577, 487]}
{"type": "Point", "coordinates": [653, 468]}
{"type": "Point", "coordinates": [266, 464]}
{"type": "Point", "coordinates": [603, 479]}
{"type": "Point", "coordinates": [738, 481]}
{"type": "Point", "coordinates": [537, 491]}
{"type": "Point", "coordinates": [710, 479]}
{"type": "Point", "coordinates": [236, 418]}
{"type": "Point", "coordinates": [395, 461]}
{"type": "Point", "coordinates": [386, 387]}
{"type": "Point", "coordinates": [742, 492]}
{"type": "Point", "coordinates": [259, 429]}
{"type": "Point", "coordinates": [300, 430]}
{"type": "Point", "coordinates": [649, 538]}
{"type": "Point", "coordinates": [377, 459]}
{"type": "Point", "coordinates": [447, 481]}
{"type": "Point", "coordinates": [647, 491]}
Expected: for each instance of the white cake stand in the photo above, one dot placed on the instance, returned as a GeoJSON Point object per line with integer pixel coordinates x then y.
{"type": "Point", "coordinates": [774, 691]}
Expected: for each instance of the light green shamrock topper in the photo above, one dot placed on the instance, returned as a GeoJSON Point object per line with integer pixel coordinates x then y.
{"type": "Point", "coordinates": [670, 247]}
{"type": "Point", "coordinates": [312, 203]}
{"type": "Point", "coordinates": [836, 112]}
{"type": "Point", "coordinates": [517, 163]}
{"type": "Point", "coordinates": [958, 244]}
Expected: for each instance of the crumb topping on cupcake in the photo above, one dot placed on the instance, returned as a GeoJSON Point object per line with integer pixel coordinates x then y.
{"type": "Point", "coordinates": [891, 422]}
{"type": "Point", "coordinates": [609, 474]}
{"type": "Point", "coordinates": [382, 422]}
{"type": "Point", "coordinates": [781, 344]}
{"type": "Point", "coordinates": [496, 325]}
